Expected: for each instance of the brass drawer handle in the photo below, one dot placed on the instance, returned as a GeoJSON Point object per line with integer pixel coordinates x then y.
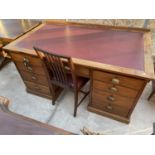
{"type": "Point", "coordinates": [115, 81]}
{"type": "Point", "coordinates": [29, 68]}
{"type": "Point", "coordinates": [34, 78]}
{"type": "Point", "coordinates": [113, 89]}
{"type": "Point", "coordinates": [109, 107]}
{"type": "Point", "coordinates": [26, 62]}
{"type": "Point", "coordinates": [110, 98]}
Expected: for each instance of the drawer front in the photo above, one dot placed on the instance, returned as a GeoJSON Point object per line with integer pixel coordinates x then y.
{"type": "Point", "coordinates": [113, 109]}
{"type": "Point", "coordinates": [34, 78]}
{"type": "Point", "coordinates": [105, 97]}
{"type": "Point", "coordinates": [32, 69]}
{"type": "Point", "coordinates": [115, 79]}
{"type": "Point", "coordinates": [26, 58]}
{"type": "Point", "coordinates": [37, 88]}
{"type": "Point", "coordinates": [82, 71]}
{"type": "Point", "coordinates": [114, 89]}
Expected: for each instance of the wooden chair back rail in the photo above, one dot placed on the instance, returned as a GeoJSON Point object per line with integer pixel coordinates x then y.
{"type": "Point", "coordinates": [61, 72]}
{"type": "Point", "coordinates": [58, 69]}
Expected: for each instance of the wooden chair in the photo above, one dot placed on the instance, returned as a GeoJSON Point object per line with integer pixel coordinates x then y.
{"type": "Point", "coordinates": [61, 72]}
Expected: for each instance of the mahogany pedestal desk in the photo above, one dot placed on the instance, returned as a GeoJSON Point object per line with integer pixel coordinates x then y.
{"type": "Point", "coordinates": [116, 59]}
{"type": "Point", "coordinates": [11, 29]}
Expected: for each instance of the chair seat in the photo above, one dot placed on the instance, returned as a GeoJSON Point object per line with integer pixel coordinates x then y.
{"type": "Point", "coordinates": [81, 81]}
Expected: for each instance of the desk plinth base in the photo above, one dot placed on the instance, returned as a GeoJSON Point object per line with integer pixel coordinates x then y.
{"type": "Point", "coordinates": [113, 116]}
{"type": "Point", "coordinates": [38, 94]}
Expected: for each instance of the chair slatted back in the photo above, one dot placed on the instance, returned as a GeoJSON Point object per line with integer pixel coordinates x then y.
{"type": "Point", "coordinates": [58, 67]}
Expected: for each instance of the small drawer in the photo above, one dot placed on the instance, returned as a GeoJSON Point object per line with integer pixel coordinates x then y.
{"type": "Point", "coordinates": [105, 97]}
{"type": "Point", "coordinates": [29, 59]}
{"type": "Point", "coordinates": [116, 79]}
{"type": "Point", "coordinates": [33, 69]}
{"type": "Point", "coordinates": [34, 78]}
{"type": "Point", "coordinates": [113, 109]}
{"type": "Point", "coordinates": [114, 89]}
{"type": "Point", "coordinates": [37, 88]}
{"type": "Point", "coordinates": [82, 71]}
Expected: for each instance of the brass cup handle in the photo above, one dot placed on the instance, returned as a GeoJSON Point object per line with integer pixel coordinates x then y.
{"type": "Point", "coordinates": [29, 68]}
{"type": "Point", "coordinates": [33, 78]}
{"type": "Point", "coordinates": [110, 98]}
{"type": "Point", "coordinates": [26, 62]}
{"type": "Point", "coordinates": [113, 89]}
{"type": "Point", "coordinates": [109, 107]}
{"type": "Point", "coordinates": [115, 81]}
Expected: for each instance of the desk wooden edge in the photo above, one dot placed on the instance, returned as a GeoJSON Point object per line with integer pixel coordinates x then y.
{"type": "Point", "coordinates": [99, 66]}
{"type": "Point", "coordinates": [91, 25]}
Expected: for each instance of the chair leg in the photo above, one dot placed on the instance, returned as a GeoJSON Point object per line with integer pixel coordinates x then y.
{"type": "Point", "coordinates": [75, 103]}
{"type": "Point", "coordinates": [53, 102]}
{"type": "Point", "coordinates": [151, 95]}
{"type": "Point", "coordinates": [53, 97]}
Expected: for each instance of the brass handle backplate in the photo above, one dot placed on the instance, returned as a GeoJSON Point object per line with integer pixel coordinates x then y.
{"type": "Point", "coordinates": [111, 98]}
{"type": "Point", "coordinates": [29, 68]}
{"type": "Point", "coordinates": [34, 78]}
{"type": "Point", "coordinates": [26, 62]}
{"type": "Point", "coordinates": [113, 89]}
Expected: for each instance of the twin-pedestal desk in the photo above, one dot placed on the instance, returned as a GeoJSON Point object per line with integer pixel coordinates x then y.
{"type": "Point", "coordinates": [117, 60]}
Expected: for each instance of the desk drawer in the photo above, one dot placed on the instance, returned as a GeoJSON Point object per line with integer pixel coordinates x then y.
{"type": "Point", "coordinates": [34, 78]}
{"type": "Point", "coordinates": [113, 109]}
{"type": "Point", "coordinates": [38, 88]}
{"type": "Point", "coordinates": [116, 79]}
{"type": "Point", "coordinates": [118, 90]}
{"type": "Point", "coordinates": [33, 69]}
{"type": "Point", "coordinates": [104, 98]}
{"type": "Point", "coordinates": [25, 57]}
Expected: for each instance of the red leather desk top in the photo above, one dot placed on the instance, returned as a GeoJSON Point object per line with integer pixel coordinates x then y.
{"type": "Point", "coordinates": [114, 47]}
